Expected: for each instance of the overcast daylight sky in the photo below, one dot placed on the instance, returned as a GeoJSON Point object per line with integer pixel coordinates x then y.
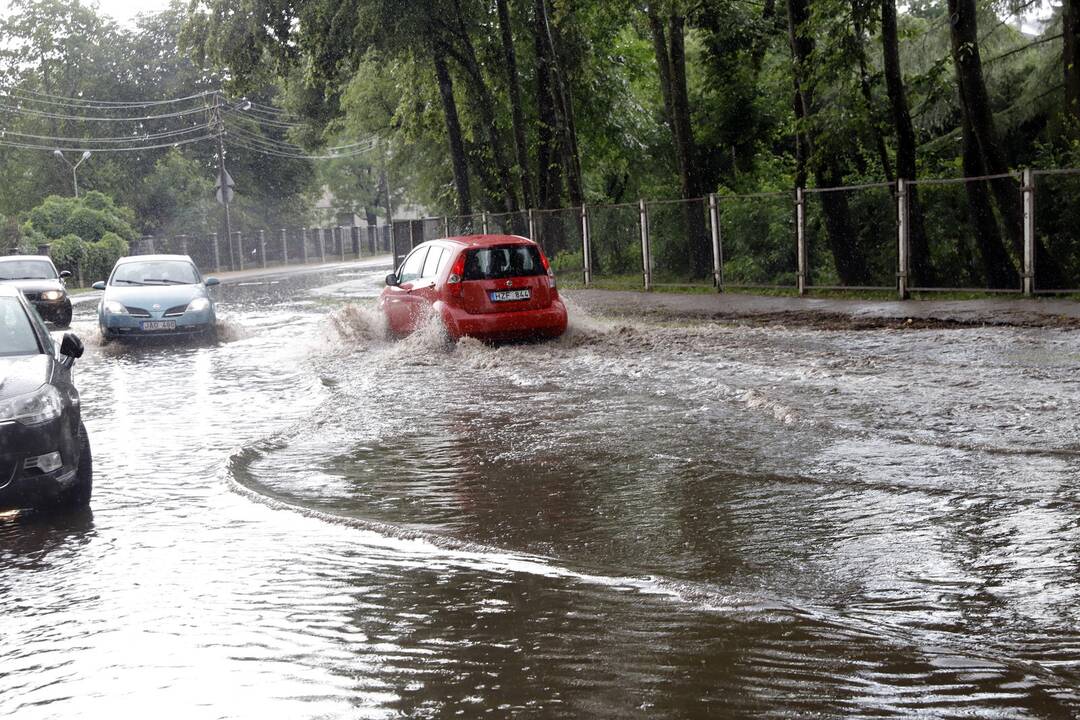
{"type": "Point", "coordinates": [123, 11]}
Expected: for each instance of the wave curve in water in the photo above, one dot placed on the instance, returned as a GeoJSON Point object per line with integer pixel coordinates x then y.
{"type": "Point", "coordinates": [942, 650]}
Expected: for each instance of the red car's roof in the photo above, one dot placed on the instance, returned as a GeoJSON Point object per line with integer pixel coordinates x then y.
{"type": "Point", "coordinates": [488, 240]}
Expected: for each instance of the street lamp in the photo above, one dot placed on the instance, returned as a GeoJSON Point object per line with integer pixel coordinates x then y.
{"type": "Point", "coordinates": [74, 177]}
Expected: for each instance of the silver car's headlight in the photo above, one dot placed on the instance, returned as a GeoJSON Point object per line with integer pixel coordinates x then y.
{"type": "Point", "coordinates": [42, 405]}
{"type": "Point", "coordinates": [52, 294]}
{"type": "Point", "coordinates": [114, 308]}
{"type": "Point", "coordinates": [198, 304]}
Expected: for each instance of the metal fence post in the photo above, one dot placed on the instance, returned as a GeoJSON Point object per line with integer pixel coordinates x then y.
{"type": "Point", "coordinates": [322, 244]}
{"type": "Point", "coordinates": [800, 237]}
{"type": "Point", "coordinates": [284, 246]}
{"type": "Point", "coordinates": [184, 244]}
{"type": "Point", "coordinates": [1029, 232]}
{"type": "Point", "coordinates": [532, 226]}
{"type": "Point", "coordinates": [446, 226]}
{"type": "Point", "coordinates": [585, 245]}
{"type": "Point", "coordinates": [646, 250]}
{"type": "Point", "coordinates": [903, 262]}
{"type": "Point", "coordinates": [484, 221]}
{"type": "Point", "coordinates": [217, 252]}
{"type": "Point", "coordinates": [341, 239]}
{"type": "Point", "coordinates": [239, 247]}
{"type": "Point", "coordinates": [150, 244]}
{"type": "Point", "coordinates": [303, 245]}
{"type": "Point", "coordinates": [262, 248]}
{"type": "Point", "coordinates": [717, 248]}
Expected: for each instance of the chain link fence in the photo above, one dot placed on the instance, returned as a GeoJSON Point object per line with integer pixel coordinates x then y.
{"type": "Point", "coordinates": [851, 237]}
{"type": "Point", "coordinates": [757, 240]}
{"type": "Point", "coordinates": [1011, 233]}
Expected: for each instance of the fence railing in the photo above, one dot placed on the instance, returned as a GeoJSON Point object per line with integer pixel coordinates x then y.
{"type": "Point", "coordinates": [1013, 233]}
{"type": "Point", "coordinates": [980, 234]}
{"type": "Point", "coordinates": [267, 248]}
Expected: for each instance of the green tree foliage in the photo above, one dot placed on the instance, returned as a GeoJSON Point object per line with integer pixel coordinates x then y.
{"type": "Point", "coordinates": [481, 105]}
{"type": "Point", "coordinates": [86, 235]}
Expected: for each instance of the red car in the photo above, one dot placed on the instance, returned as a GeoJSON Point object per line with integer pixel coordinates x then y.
{"type": "Point", "coordinates": [492, 287]}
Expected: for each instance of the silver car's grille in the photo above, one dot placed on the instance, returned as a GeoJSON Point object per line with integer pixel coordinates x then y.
{"type": "Point", "coordinates": [138, 312]}
{"type": "Point", "coordinates": [176, 311]}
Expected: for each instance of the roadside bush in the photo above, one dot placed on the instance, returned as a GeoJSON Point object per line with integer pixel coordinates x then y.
{"type": "Point", "coordinates": [102, 255]}
{"type": "Point", "coordinates": [68, 253]}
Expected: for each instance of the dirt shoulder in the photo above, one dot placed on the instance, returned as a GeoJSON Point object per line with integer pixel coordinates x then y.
{"type": "Point", "coordinates": [831, 313]}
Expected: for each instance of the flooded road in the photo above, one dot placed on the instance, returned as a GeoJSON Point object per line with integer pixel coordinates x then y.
{"type": "Point", "coordinates": [644, 519]}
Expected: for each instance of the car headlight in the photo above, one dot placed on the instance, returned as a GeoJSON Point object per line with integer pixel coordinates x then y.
{"type": "Point", "coordinates": [42, 405]}
{"type": "Point", "coordinates": [114, 308]}
{"type": "Point", "coordinates": [52, 295]}
{"type": "Point", "coordinates": [198, 304]}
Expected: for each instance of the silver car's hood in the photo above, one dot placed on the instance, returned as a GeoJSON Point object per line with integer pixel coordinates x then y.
{"type": "Point", "coordinates": [146, 296]}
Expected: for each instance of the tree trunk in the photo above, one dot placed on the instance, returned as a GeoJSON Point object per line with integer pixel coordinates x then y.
{"type": "Point", "coordinates": [564, 106]}
{"type": "Point", "coordinates": [670, 50]}
{"type": "Point", "coordinates": [453, 130]}
{"type": "Point", "coordinates": [548, 177]}
{"type": "Point", "coordinates": [867, 90]}
{"type": "Point", "coordinates": [828, 171]}
{"type": "Point", "coordinates": [484, 104]}
{"type": "Point", "coordinates": [997, 266]}
{"type": "Point", "coordinates": [516, 112]}
{"type": "Point", "coordinates": [921, 270]}
{"type": "Point", "coordinates": [1070, 59]}
{"type": "Point", "coordinates": [975, 103]}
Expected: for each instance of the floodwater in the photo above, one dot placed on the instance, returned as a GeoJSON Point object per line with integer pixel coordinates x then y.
{"type": "Point", "coordinates": [644, 519]}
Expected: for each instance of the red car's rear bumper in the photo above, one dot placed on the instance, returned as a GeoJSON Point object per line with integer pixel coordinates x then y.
{"type": "Point", "coordinates": [549, 322]}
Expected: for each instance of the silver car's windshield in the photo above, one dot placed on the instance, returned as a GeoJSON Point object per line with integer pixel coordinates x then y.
{"type": "Point", "coordinates": [17, 337]}
{"type": "Point", "coordinates": [155, 272]}
{"type": "Point", "coordinates": [27, 270]}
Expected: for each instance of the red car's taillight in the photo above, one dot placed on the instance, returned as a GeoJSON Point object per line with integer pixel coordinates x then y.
{"type": "Point", "coordinates": [547, 268]}
{"type": "Point", "coordinates": [457, 270]}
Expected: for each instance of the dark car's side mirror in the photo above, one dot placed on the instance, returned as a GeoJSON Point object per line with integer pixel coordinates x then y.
{"type": "Point", "coordinates": [211, 282]}
{"type": "Point", "coordinates": [99, 285]}
{"type": "Point", "coordinates": [71, 346]}
{"type": "Point", "coordinates": [65, 274]}
{"type": "Point", "coordinates": [391, 280]}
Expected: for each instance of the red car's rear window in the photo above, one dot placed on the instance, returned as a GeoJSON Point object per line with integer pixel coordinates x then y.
{"type": "Point", "coordinates": [503, 262]}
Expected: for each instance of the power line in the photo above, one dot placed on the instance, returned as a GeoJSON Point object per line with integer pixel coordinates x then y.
{"type": "Point", "coordinates": [363, 145]}
{"type": "Point", "coordinates": [89, 118]}
{"type": "Point", "coordinates": [51, 148]}
{"type": "Point", "coordinates": [140, 137]}
{"type": "Point", "coordinates": [81, 103]}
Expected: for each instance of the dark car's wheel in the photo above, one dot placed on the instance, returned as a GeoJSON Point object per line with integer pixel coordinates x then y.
{"type": "Point", "coordinates": [63, 317]}
{"type": "Point", "coordinates": [78, 495]}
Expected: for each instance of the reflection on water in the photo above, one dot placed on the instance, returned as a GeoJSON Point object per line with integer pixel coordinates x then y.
{"type": "Point", "coordinates": [638, 520]}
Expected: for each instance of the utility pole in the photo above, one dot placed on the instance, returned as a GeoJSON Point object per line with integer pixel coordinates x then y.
{"type": "Point", "coordinates": [389, 205]}
{"type": "Point", "coordinates": [224, 181]}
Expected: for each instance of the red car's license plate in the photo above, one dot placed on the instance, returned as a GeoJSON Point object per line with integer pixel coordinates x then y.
{"type": "Point", "coordinates": [511, 295]}
{"type": "Point", "coordinates": [155, 325]}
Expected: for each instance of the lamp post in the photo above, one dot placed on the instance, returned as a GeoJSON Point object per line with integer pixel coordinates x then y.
{"type": "Point", "coordinates": [74, 175]}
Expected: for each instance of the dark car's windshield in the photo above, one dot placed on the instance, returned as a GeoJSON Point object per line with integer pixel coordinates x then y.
{"type": "Point", "coordinates": [16, 335]}
{"type": "Point", "coordinates": [155, 272]}
{"type": "Point", "coordinates": [27, 270]}
{"type": "Point", "coordinates": [503, 262]}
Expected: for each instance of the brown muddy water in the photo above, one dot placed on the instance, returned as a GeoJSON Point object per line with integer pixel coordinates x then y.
{"type": "Point", "coordinates": [643, 519]}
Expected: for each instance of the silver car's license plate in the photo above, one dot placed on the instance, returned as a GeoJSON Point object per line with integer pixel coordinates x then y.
{"type": "Point", "coordinates": [511, 295]}
{"type": "Point", "coordinates": [157, 325]}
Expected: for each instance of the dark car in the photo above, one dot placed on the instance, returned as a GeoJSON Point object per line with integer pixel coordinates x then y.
{"type": "Point", "coordinates": [36, 276]}
{"type": "Point", "coordinates": [44, 452]}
